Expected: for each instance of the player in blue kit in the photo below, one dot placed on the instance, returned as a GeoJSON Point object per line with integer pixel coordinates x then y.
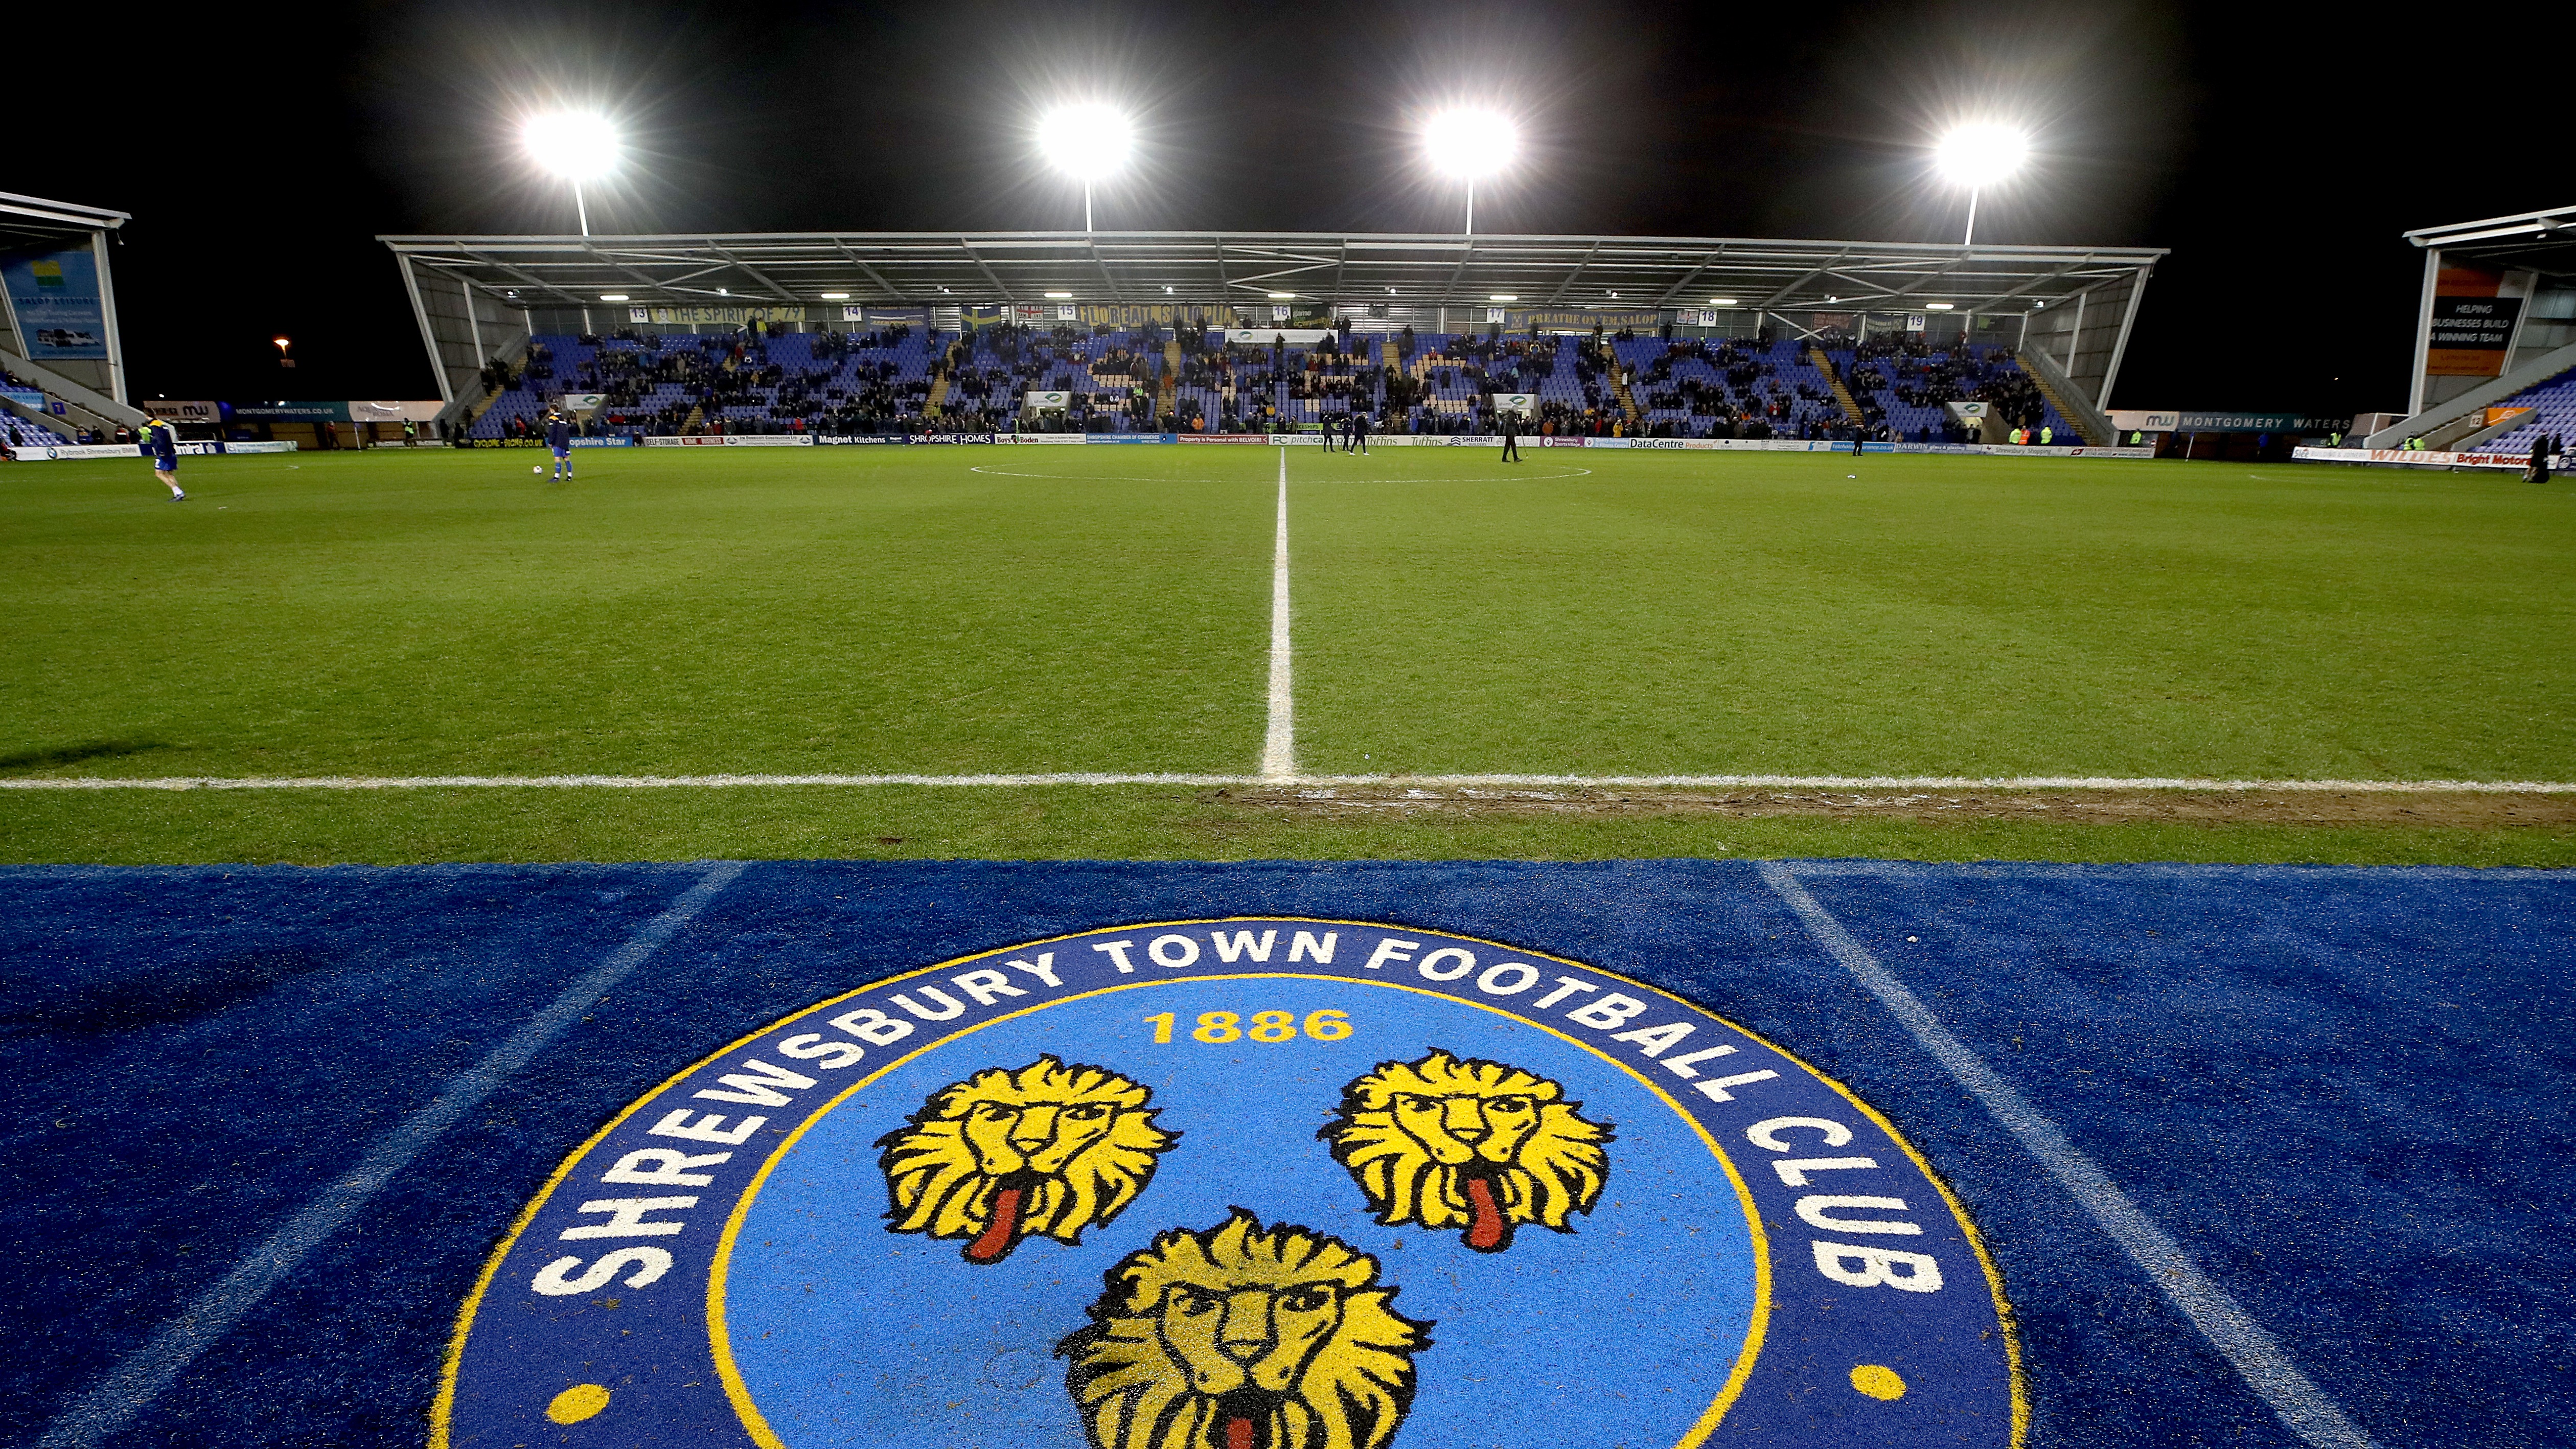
{"type": "Point", "coordinates": [559, 438]}
{"type": "Point", "coordinates": [161, 444]}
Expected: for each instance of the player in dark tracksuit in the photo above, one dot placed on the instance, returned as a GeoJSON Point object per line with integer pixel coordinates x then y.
{"type": "Point", "coordinates": [1359, 431]}
{"type": "Point", "coordinates": [161, 444]}
{"type": "Point", "coordinates": [1511, 422]}
{"type": "Point", "coordinates": [559, 438]}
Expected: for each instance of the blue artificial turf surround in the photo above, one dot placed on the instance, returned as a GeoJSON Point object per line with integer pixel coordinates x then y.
{"type": "Point", "coordinates": [2346, 1092]}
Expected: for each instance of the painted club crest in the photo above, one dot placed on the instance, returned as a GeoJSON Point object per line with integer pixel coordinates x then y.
{"type": "Point", "coordinates": [1473, 1145]}
{"type": "Point", "coordinates": [1240, 1338]}
{"type": "Point", "coordinates": [1048, 1149]}
{"type": "Point", "coordinates": [820, 1236]}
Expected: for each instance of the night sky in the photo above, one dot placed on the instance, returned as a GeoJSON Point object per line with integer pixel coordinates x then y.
{"type": "Point", "coordinates": [2274, 149]}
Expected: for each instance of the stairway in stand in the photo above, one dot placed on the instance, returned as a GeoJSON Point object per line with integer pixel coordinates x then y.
{"type": "Point", "coordinates": [1167, 398]}
{"type": "Point", "coordinates": [1842, 395]}
{"type": "Point", "coordinates": [2070, 414]}
{"type": "Point", "coordinates": [1619, 390]}
{"type": "Point", "coordinates": [476, 410]}
{"type": "Point", "coordinates": [939, 379]}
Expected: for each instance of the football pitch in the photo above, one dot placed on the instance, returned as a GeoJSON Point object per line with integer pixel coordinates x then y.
{"type": "Point", "coordinates": [944, 612]}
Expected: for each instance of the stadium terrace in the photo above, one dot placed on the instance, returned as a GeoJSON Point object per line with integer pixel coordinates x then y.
{"type": "Point", "coordinates": [1158, 332]}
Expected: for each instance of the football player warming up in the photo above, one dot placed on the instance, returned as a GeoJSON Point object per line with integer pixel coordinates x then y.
{"type": "Point", "coordinates": [559, 438]}
{"type": "Point", "coordinates": [161, 444]}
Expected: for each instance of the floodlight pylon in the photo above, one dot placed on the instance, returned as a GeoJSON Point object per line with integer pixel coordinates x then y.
{"type": "Point", "coordinates": [1977, 156]}
{"type": "Point", "coordinates": [1469, 144]}
{"type": "Point", "coordinates": [576, 146]}
{"type": "Point", "coordinates": [1086, 141]}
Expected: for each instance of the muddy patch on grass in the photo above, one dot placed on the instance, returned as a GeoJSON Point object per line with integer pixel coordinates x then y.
{"type": "Point", "coordinates": [2086, 807]}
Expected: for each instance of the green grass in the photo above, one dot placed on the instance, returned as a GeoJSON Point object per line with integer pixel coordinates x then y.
{"type": "Point", "coordinates": [1764, 613]}
{"type": "Point", "coordinates": [893, 610]}
{"type": "Point", "coordinates": [667, 613]}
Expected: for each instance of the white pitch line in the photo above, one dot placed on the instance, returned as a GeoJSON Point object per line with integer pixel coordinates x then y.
{"type": "Point", "coordinates": [136, 1381]}
{"type": "Point", "coordinates": [1279, 745]}
{"type": "Point", "coordinates": [2265, 1365]}
{"type": "Point", "coordinates": [1280, 734]}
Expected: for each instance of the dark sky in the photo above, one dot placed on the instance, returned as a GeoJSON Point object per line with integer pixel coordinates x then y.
{"type": "Point", "coordinates": [2262, 144]}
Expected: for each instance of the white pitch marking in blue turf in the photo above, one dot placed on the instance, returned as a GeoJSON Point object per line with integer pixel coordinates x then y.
{"type": "Point", "coordinates": [1279, 743]}
{"type": "Point", "coordinates": [140, 1378]}
{"type": "Point", "coordinates": [2257, 1356]}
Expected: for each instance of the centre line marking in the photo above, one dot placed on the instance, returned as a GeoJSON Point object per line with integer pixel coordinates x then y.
{"type": "Point", "coordinates": [1279, 746]}
{"type": "Point", "coordinates": [2258, 1357]}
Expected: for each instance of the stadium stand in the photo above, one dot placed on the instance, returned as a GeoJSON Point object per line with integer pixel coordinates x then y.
{"type": "Point", "coordinates": [959, 334]}
{"type": "Point", "coordinates": [18, 432]}
{"type": "Point", "coordinates": [2553, 405]}
{"type": "Point", "coordinates": [1904, 388]}
{"type": "Point", "coordinates": [1192, 379]}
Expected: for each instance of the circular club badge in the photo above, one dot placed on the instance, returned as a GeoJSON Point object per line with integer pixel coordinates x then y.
{"type": "Point", "coordinates": [1243, 1184]}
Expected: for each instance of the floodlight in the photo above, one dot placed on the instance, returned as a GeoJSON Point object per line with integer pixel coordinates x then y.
{"type": "Point", "coordinates": [1939, 306]}
{"type": "Point", "coordinates": [572, 144]}
{"type": "Point", "coordinates": [1059, 296]}
{"type": "Point", "coordinates": [576, 146]}
{"type": "Point", "coordinates": [1976, 157]}
{"type": "Point", "coordinates": [1502, 297]}
{"type": "Point", "coordinates": [1283, 296]}
{"type": "Point", "coordinates": [836, 296]}
{"type": "Point", "coordinates": [1981, 155]}
{"type": "Point", "coordinates": [1470, 144]}
{"type": "Point", "coordinates": [1086, 141]}
{"type": "Point", "coordinates": [612, 296]}
{"type": "Point", "coordinates": [1721, 301]}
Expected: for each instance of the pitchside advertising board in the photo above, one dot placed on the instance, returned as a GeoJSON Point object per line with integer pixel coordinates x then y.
{"type": "Point", "coordinates": [809, 440]}
{"type": "Point", "coordinates": [1317, 440]}
{"type": "Point", "coordinates": [70, 452]}
{"type": "Point", "coordinates": [539, 442]}
{"type": "Point", "coordinates": [2412, 458]}
{"type": "Point", "coordinates": [80, 452]}
{"type": "Point", "coordinates": [1666, 445]}
{"type": "Point", "coordinates": [1242, 1184]}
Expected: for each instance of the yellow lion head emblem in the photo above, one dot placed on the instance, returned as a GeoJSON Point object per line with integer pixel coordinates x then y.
{"type": "Point", "coordinates": [1239, 1339]}
{"type": "Point", "coordinates": [1004, 1155]}
{"type": "Point", "coordinates": [1469, 1144]}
